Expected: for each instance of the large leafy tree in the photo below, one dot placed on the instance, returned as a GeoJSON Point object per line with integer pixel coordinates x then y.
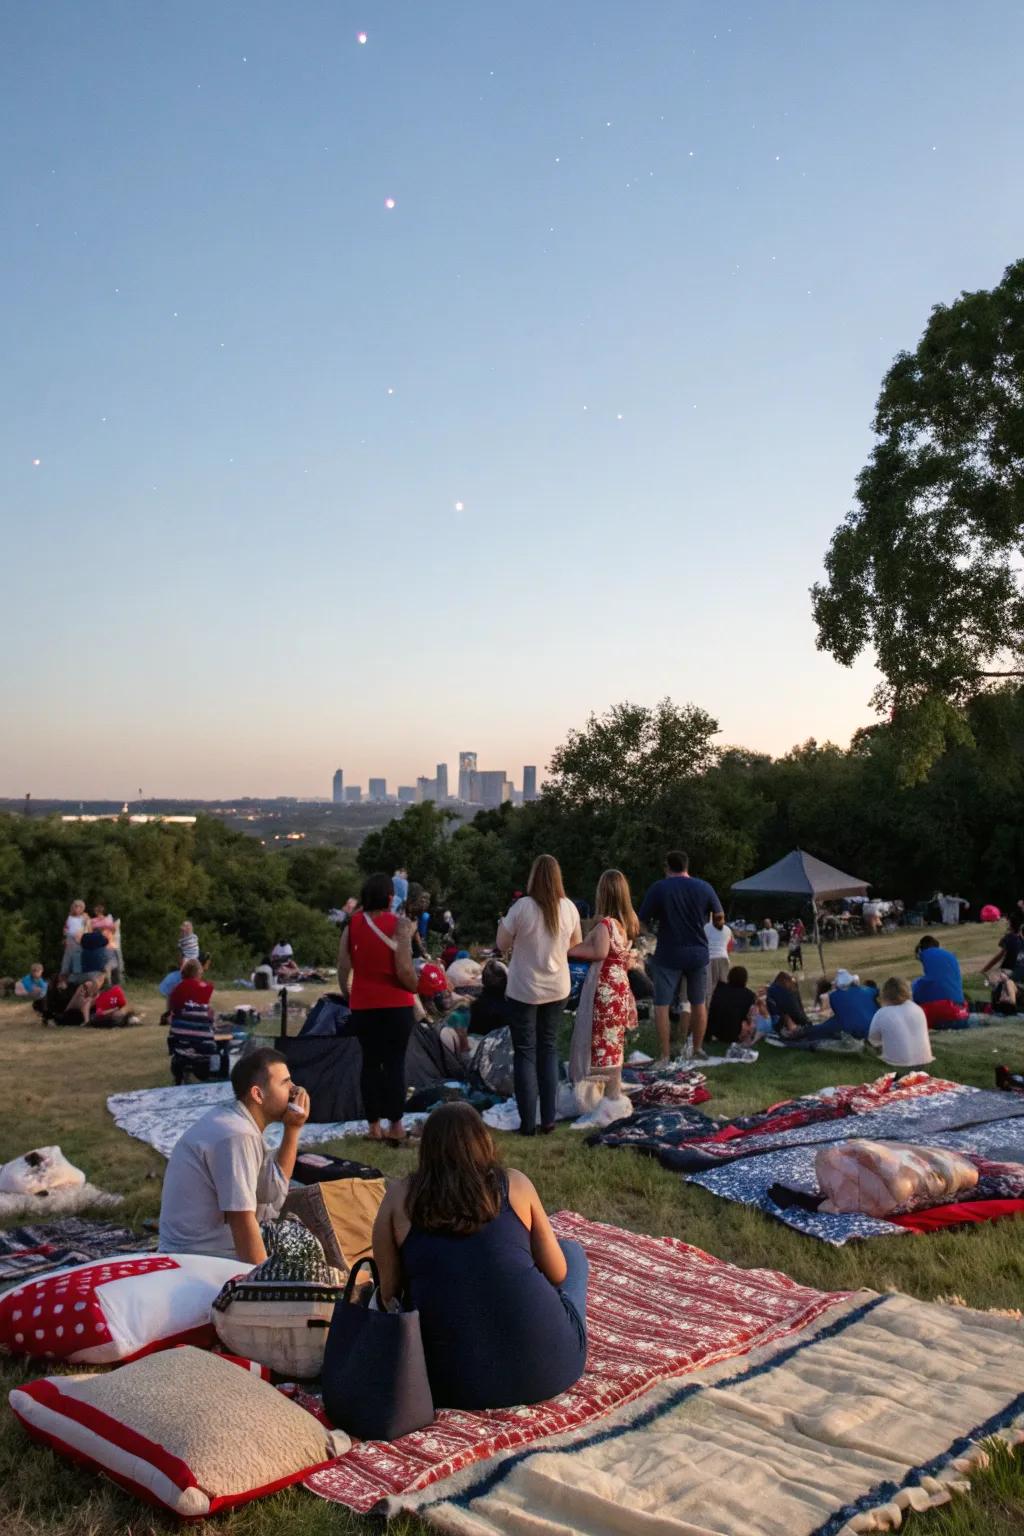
{"type": "Point", "coordinates": [926, 568]}
{"type": "Point", "coordinates": [632, 756]}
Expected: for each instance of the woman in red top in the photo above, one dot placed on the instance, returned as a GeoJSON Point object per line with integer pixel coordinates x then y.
{"type": "Point", "coordinates": [376, 946]}
{"type": "Point", "coordinates": [190, 989]}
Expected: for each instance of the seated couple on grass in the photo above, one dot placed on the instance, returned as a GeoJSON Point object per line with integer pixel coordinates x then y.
{"type": "Point", "coordinates": [72, 1000]}
{"type": "Point", "coordinates": [502, 1301]}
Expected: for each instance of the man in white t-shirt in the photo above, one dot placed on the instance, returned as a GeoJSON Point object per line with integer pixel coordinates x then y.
{"type": "Point", "coordinates": [900, 1029]}
{"type": "Point", "coordinates": [719, 937]}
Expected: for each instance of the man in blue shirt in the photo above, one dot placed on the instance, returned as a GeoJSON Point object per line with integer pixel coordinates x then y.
{"type": "Point", "coordinates": [680, 905]}
{"type": "Point", "coordinates": [940, 991]}
{"type": "Point", "coordinates": [853, 1005]}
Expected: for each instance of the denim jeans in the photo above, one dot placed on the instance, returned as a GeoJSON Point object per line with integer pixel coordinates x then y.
{"type": "Point", "coordinates": [534, 1029]}
{"type": "Point", "coordinates": [573, 1289]}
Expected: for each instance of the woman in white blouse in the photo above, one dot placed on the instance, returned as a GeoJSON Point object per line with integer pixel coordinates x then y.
{"type": "Point", "coordinates": [539, 929]}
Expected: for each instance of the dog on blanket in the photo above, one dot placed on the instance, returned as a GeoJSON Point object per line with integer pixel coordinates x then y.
{"type": "Point", "coordinates": [795, 958]}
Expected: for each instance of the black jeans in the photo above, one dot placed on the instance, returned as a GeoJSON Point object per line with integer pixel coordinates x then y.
{"type": "Point", "coordinates": [383, 1035]}
{"type": "Point", "coordinates": [534, 1033]}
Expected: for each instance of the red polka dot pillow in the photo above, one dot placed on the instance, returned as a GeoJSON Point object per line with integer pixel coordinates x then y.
{"type": "Point", "coordinates": [115, 1309]}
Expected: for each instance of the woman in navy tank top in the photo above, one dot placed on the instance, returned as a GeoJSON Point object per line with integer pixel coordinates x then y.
{"type": "Point", "coordinates": [502, 1301]}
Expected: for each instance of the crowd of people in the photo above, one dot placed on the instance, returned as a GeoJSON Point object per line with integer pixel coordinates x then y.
{"type": "Point", "coordinates": [464, 1238]}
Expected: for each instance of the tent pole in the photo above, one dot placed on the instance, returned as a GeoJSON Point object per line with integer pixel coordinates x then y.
{"type": "Point", "coordinates": [817, 936]}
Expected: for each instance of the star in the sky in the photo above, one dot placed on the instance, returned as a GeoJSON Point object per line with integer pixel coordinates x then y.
{"type": "Point", "coordinates": [36, 463]}
{"type": "Point", "coordinates": [360, 37]}
{"type": "Point", "coordinates": [460, 506]}
{"type": "Point", "coordinates": [389, 202]}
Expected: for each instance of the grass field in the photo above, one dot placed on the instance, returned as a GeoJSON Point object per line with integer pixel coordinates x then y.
{"type": "Point", "coordinates": [58, 1081]}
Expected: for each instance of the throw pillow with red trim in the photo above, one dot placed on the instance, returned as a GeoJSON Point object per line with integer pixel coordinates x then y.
{"type": "Point", "coordinates": [115, 1309]}
{"type": "Point", "coordinates": [183, 1429]}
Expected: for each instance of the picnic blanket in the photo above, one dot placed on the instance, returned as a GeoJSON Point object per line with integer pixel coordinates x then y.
{"type": "Point", "coordinates": [749, 1180]}
{"type": "Point", "coordinates": [686, 1144]}
{"type": "Point", "coordinates": [26, 1252]}
{"type": "Point", "coordinates": [877, 1409]}
{"type": "Point", "coordinates": [158, 1116]}
{"type": "Point", "coordinates": [657, 1309]}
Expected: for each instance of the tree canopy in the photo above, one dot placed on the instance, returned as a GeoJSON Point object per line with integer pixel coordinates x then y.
{"type": "Point", "coordinates": [926, 568]}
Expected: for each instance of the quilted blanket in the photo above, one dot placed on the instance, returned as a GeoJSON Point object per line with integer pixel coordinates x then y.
{"type": "Point", "coordinates": [879, 1409]}
{"type": "Point", "coordinates": [657, 1309]}
{"type": "Point", "coordinates": [158, 1116]}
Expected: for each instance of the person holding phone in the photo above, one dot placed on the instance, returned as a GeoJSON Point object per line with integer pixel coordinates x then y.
{"type": "Point", "coordinates": [222, 1180]}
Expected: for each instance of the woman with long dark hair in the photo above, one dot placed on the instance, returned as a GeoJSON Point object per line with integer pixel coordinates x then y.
{"type": "Point", "coordinates": [540, 929]}
{"type": "Point", "coordinates": [502, 1301]}
{"type": "Point", "coordinates": [376, 947]}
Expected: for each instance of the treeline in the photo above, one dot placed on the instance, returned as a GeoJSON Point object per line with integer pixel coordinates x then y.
{"type": "Point", "coordinates": [240, 896]}
{"type": "Point", "coordinates": [636, 781]}
{"type": "Point", "coordinates": [622, 789]}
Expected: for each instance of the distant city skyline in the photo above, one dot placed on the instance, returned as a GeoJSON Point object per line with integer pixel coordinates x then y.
{"type": "Point", "coordinates": [488, 787]}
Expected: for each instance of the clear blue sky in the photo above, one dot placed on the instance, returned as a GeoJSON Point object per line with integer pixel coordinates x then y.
{"type": "Point", "coordinates": [646, 266]}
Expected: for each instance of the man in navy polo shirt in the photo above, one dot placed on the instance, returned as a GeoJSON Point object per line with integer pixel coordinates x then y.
{"type": "Point", "coordinates": [679, 906]}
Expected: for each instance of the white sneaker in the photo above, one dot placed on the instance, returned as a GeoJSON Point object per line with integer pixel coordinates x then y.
{"type": "Point", "coordinates": [638, 1059]}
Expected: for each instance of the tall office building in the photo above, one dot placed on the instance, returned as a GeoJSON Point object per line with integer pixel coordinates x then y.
{"type": "Point", "coordinates": [407, 794]}
{"type": "Point", "coordinates": [426, 789]}
{"type": "Point", "coordinates": [353, 794]}
{"type": "Point", "coordinates": [529, 784]}
{"type": "Point", "coordinates": [489, 789]}
{"type": "Point", "coordinates": [378, 789]}
{"type": "Point", "coordinates": [467, 767]}
{"type": "Point", "coordinates": [442, 783]}
{"type": "Point", "coordinates": [338, 787]}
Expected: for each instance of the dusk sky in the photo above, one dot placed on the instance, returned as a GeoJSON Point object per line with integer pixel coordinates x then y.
{"type": "Point", "coordinates": [362, 401]}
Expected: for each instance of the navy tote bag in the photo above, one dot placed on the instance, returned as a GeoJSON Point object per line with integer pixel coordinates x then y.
{"type": "Point", "coordinates": [375, 1373]}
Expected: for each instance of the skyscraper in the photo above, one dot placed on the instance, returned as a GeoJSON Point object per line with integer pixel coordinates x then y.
{"type": "Point", "coordinates": [490, 788]}
{"type": "Point", "coordinates": [378, 789]}
{"type": "Point", "coordinates": [426, 789]}
{"type": "Point", "coordinates": [407, 794]}
{"type": "Point", "coordinates": [338, 787]}
{"type": "Point", "coordinates": [529, 784]}
{"type": "Point", "coordinates": [442, 782]}
{"type": "Point", "coordinates": [467, 767]}
{"type": "Point", "coordinates": [353, 794]}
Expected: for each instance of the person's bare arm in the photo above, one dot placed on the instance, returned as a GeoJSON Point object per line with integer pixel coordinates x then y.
{"type": "Point", "coordinates": [385, 1244]}
{"type": "Point", "coordinates": [595, 946]}
{"type": "Point", "coordinates": [344, 960]}
{"type": "Point", "coordinates": [527, 1204]}
{"type": "Point", "coordinates": [998, 961]}
{"type": "Point", "coordinates": [295, 1118]}
{"type": "Point", "coordinates": [405, 971]}
{"type": "Point", "coordinates": [245, 1232]}
{"type": "Point", "coordinates": [504, 939]}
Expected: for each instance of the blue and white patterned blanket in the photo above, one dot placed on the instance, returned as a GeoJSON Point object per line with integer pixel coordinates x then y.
{"type": "Point", "coordinates": [998, 1132]}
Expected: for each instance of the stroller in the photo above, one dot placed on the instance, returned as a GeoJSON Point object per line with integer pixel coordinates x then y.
{"type": "Point", "coordinates": [198, 1046]}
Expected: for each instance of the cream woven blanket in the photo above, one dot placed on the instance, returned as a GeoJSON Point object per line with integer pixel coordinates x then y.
{"type": "Point", "coordinates": [880, 1409]}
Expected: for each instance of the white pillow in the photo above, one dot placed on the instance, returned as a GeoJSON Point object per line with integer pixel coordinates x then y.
{"type": "Point", "coordinates": [115, 1309]}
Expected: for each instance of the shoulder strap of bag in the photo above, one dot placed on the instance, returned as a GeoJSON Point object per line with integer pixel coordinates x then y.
{"type": "Point", "coordinates": [357, 1266]}
{"type": "Point", "coordinates": [384, 938]}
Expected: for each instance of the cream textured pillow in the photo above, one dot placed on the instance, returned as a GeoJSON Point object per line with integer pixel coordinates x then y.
{"type": "Point", "coordinates": [184, 1429]}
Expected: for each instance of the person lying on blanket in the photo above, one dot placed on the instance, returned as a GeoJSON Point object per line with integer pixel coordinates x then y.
{"type": "Point", "coordinates": [222, 1181]}
{"type": "Point", "coordinates": [502, 1301]}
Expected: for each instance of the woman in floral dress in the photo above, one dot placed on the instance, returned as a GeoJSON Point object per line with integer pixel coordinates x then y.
{"type": "Point", "coordinates": [607, 1006]}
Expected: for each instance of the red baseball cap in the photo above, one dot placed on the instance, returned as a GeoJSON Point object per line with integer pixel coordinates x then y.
{"type": "Point", "coordinates": [433, 981]}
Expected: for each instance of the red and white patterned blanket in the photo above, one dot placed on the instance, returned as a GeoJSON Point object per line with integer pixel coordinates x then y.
{"type": "Point", "coordinates": [657, 1308]}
